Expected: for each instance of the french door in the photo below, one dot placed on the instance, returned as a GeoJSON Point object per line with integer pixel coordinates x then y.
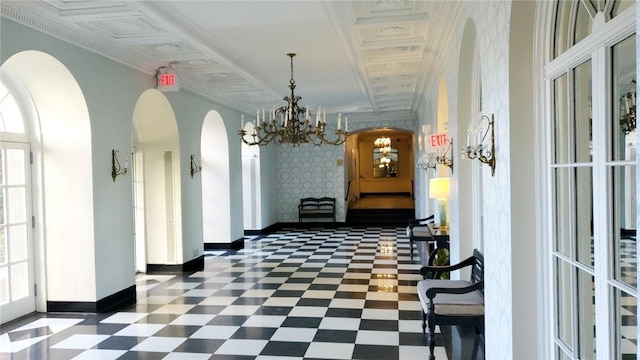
{"type": "Point", "coordinates": [17, 292]}
{"type": "Point", "coordinates": [592, 207]}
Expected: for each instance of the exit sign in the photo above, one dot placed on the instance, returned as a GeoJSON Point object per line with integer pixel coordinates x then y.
{"type": "Point", "coordinates": [437, 141]}
{"type": "Point", "coordinates": [168, 80]}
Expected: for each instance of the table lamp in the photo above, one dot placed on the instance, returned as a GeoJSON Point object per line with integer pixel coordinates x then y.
{"type": "Point", "coordinates": [439, 189]}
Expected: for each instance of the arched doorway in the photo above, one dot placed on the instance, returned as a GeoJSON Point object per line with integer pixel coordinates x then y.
{"type": "Point", "coordinates": [380, 171]}
{"type": "Point", "coordinates": [216, 183]}
{"type": "Point", "coordinates": [156, 183]}
{"type": "Point", "coordinates": [53, 107]}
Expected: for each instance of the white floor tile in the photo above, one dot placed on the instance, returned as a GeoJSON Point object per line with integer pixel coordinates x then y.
{"type": "Point", "coordinates": [192, 319]}
{"type": "Point", "coordinates": [100, 354]}
{"type": "Point", "coordinates": [241, 347]}
{"type": "Point", "coordinates": [269, 321]}
{"type": "Point", "coordinates": [124, 318]}
{"type": "Point", "coordinates": [159, 344]}
{"type": "Point", "coordinates": [215, 332]}
{"type": "Point", "coordinates": [333, 323]}
{"type": "Point", "coordinates": [369, 337]}
{"type": "Point", "coordinates": [294, 334]}
{"type": "Point", "coordinates": [308, 311]}
{"type": "Point", "coordinates": [329, 351]}
{"type": "Point", "coordinates": [142, 330]}
{"type": "Point", "coordinates": [80, 341]}
{"type": "Point", "coordinates": [186, 356]}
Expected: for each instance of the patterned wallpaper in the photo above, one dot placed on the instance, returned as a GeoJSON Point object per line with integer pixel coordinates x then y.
{"type": "Point", "coordinates": [313, 171]}
{"type": "Point", "coordinates": [491, 20]}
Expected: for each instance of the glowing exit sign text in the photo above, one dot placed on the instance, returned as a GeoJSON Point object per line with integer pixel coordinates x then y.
{"type": "Point", "coordinates": [168, 80]}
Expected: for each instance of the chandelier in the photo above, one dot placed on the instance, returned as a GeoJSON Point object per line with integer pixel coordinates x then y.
{"type": "Point", "coordinates": [292, 124]}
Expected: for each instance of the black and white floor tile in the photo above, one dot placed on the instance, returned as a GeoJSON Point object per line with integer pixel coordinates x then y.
{"type": "Point", "coordinates": [344, 293]}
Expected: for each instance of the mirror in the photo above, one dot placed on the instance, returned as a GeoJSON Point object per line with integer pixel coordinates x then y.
{"type": "Point", "coordinates": [385, 158]}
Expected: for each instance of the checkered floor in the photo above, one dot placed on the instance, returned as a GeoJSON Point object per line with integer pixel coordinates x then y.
{"type": "Point", "coordinates": [300, 294]}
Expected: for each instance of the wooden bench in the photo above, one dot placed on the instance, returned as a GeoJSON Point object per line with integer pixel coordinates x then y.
{"type": "Point", "coordinates": [324, 207]}
{"type": "Point", "coordinates": [452, 302]}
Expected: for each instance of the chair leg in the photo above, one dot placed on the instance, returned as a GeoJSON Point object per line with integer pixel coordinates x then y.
{"type": "Point", "coordinates": [424, 322]}
{"type": "Point", "coordinates": [431, 339]}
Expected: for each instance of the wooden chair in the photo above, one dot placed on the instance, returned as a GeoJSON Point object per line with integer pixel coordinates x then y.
{"type": "Point", "coordinates": [418, 230]}
{"type": "Point", "coordinates": [452, 302]}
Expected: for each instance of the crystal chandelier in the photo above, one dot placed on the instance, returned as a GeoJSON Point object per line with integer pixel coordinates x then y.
{"type": "Point", "coordinates": [292, 124]}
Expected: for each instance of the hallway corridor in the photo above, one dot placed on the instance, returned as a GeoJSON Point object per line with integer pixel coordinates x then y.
{"type": "Point", "coordinates": [346, 293]}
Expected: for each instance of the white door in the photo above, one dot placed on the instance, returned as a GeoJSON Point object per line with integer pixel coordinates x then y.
{"type": "Point", "coordinates": [17, 292]}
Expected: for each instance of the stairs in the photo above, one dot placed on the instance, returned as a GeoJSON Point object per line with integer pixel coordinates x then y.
{"type": "Point", "coordinates": [379, 217]}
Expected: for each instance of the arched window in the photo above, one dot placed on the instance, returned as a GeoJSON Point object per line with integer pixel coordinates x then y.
{"type": "Point", "coordinates": [591, 168]}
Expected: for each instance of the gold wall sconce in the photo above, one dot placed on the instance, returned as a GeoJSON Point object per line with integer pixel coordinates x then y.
{"type": "Point", "coordinates": [195, 167]}
{"type": "Point", "coordinates": [115, 166]}
{"type": "Point", "coordinates": [476, 148]}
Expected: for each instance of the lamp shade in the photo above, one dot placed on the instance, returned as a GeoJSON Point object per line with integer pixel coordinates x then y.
{"type": "Point", "coordinates": [439, 188]}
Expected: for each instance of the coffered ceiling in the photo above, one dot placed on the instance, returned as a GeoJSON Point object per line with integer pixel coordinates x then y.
{"type": "Point", "coordinates": [352, 56]}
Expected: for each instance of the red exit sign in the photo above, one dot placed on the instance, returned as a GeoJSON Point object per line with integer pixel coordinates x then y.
{"type": "Point", "coordinates": [438, 140]}
{"type": "Point", "coordinates": [168, 81]}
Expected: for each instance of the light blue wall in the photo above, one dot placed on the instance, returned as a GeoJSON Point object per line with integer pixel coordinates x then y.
{"type": "Point", "coordinates": [111, 91]}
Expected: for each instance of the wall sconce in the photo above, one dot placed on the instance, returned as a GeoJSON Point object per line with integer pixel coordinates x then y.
{"type": "Point", "coordinates": [115, 165]}
{"type": "Point", "coordinates": [628, 111]}
{"type": "Point", "coordinates": [195, 168]}
{"type": "Point", "coordinates": [445, 156]}
{"type": "Point", "coordinates": [476, 149]}
{"type": "Point", "coordinates": [439, 189]}
{"type": "Point", "coordinates": [427, 161]}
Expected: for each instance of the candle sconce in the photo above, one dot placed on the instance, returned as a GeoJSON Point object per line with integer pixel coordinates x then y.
{"type": "Point", "coordinates": [115, 166]}
{"type": "Point", "coordinates": [628, 111]}
{"type": "Point", "coordinates": [195, 167]}
{"type": "Point", "coordinates": [476, 149]}
{"type": "Point", "coordinates": [427, 161]}
{"type": "Point", "coordinates": [445, 156]}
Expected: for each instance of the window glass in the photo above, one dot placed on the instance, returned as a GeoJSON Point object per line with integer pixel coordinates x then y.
{"type": "Point", "coordinates": [561, 121]}
{"type": "Point", "coordinates": [586, 315]}
{"type": "Point", "coordinates": [621, 5]}
{"type": "Point", "coordinates": [582, 124]}
{"type": "Point", "coordinates": [564, 310]}
{"type": "Point", "coordinates": [583, 24]}
{"type": "Point", "coordinates": [562, 211]}
{"type": "Point", "coordinates": [624, 324]}
{"type": "Point", "coordinates": [561, 37]}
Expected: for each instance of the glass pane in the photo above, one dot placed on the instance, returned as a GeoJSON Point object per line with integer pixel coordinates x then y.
{"type": "Point", "coordinates": [563, 292]}
{"type": "Point", "coordinates": [3, 246]}
{"type": "Point", "coordinates": [624, 100]}
{"type": "Point", "coordinates": [18, 240]}
{"type": "Point", "coordinates": [583, 24]}
{"type": "Point", "coordinates": [11, 116]}
{"type": "Point", "coordinates": [2, 180]}
{"type": "Point", "coordinates": [2, 205]}
{"type": "Point", "coordinates": [584, 214]}
{"type": "Point", "coordinates": [561, 37]}
{"type": "Point", "coordinates": [586, 315]}
{"type": "Point", "coordinates": [582, 128]}
{"type": "Point", "coordinates": [19, 280]}
{"type": "Point", "coordinates": [562, 211]}
{"type": "Point", "coordinates": [624, 223]}
{"type": "Point", "coordinates": [17, 205]}
{"type": "Point", "coordinates": [624, 325]}
{"type": "Point", "coordinates": [561, 120]}
{"type": "Point", "coordinates": [4, 285]}
{"type": "Point", "coordinates": [621, 5]}
{"type": "Point", "coordinates": [15, 167]}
